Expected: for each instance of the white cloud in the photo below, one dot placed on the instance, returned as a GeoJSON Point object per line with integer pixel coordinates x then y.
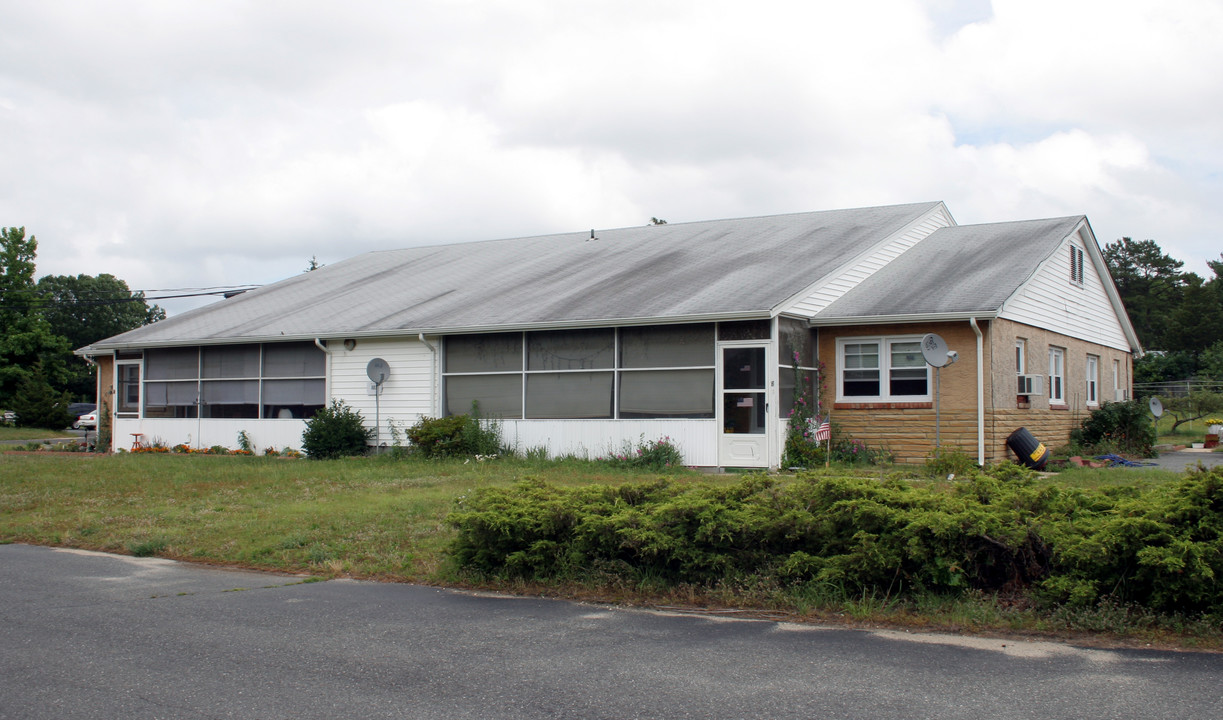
{"type": "Point", "coordinates": [191, 144]}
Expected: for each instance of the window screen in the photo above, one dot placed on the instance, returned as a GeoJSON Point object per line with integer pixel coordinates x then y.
{"type": "Point", "coordinates": [172, 364]}
{"type": "Point", "coordinates": [661, 346]}
{"type": "Point", "coordinates": [569, 395]}
{"type": "Point", "coordinates": [500, 396]}
{"type": "Point", "coordinates": [290, 360]}
{"type": "Point", "coordinates": [484, 353]}
{"type": "Point", "coordinates": [571, 350]}
{"type": "Point", "coordinates": [667, 394]}
{"type": "Point", "coordinates": [231, 361]}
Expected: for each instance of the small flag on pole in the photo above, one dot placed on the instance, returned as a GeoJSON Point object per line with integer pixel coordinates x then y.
{"type": "Point", "coordinates": [824, 431]}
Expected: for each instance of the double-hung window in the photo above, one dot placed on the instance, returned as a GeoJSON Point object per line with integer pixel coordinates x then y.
{"type": "Point", "coordinates": [1093, 380]}
{"type": "Point", "coordinates": [1057, 376]}
{"type": "Point", "coordinates": [882, 370]}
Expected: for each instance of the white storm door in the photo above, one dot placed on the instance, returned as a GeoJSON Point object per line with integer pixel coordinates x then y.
{"type": "Point", "coordinates": [744, 437]}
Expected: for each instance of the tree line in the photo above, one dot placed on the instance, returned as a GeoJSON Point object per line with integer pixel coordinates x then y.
{"type": "Point", "coordinates": [1178, 315]}
{"type": "Point", "coordinates": [44, 320]}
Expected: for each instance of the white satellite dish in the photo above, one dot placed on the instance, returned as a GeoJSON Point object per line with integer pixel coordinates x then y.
{"type": "Point", "coordinates": [1157, 408]}
{"type": "Point", "coordinates": [378, 370]}
{"type": "Point", "coordinates": [934, 350]}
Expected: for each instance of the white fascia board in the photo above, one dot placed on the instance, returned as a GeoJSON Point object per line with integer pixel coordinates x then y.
{"type": "Point", "coordinates": [1110, 287]}
{"type": "Point", "coordinates": [786, 305]}
{"type": "Point", "coordinates": [902, 319]}
{"type": "Point", "coordinates": [413, 333]}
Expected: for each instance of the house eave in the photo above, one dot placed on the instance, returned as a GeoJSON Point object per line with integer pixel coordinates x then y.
{"type": "Point", "coordinates": [413, 332]}
{"type": "Point", "coordinates": [903, 319]}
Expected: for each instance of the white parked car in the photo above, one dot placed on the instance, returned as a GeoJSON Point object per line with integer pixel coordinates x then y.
{"type": "Point", "coordinates": [88, 421]}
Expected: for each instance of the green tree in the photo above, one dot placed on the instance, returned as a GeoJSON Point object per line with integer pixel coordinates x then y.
{"type": "Point", "coordinates": [26, 339]}
{"type": "Point", "coordinates": [84, 309]}
{"type": "Point", "coordinates": [1151, 285]}
{"type": "Point", "coordinates": [1197, 322]}
{"type": "Point", "coordinates": [1162, 366]}
{"type": "Point", "coordinates": [37, 404]}
{"type": "Point", "coordinates": [1210, 362]}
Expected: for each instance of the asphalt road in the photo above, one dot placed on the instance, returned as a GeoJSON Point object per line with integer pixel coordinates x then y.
{"type": "Point", "coordinates": [87, 635]}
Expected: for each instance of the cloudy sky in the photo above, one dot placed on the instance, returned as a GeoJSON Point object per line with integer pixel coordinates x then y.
{"type": "Point", "coordinates": [226, 142]}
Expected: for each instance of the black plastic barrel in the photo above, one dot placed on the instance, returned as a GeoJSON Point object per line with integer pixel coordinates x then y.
{"type": "Point", "coordinates": [1029, 450]}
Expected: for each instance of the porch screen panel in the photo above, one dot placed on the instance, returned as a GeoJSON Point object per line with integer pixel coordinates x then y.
{"type": "Point", "coordinates": [571, 350]}
{"type": "Point", "coordinates": [172, 364]}
{"type": "Point", "coordinates": [786, 387]}
{"type": "Point", "coordinates": [170, 399]}
{"type": "Point", "coordinates": [661, 346]}
{"type": "Point", "coordinates": [500, 352]}
{"type": "Point", "coordinates": [283, 399]}
{"type": "Point", "coordinates": [667, 394]}
{"type": "Point", "coordinates": [500, 396]}
{"type": "Point", "coordinates": [569, 395]}
{"type": "Point", "coordinates": [293, 360]}
{"type": "Point", "coordinates": [230, 398]}
{"type": "Point", "coordinates": [230, 361]}
{"type": "Point", "coordinates": [797, 348]}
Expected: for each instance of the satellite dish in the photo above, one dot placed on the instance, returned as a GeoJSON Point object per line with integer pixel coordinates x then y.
{"type": "Point", "coordinates": [934, 350]}
{"type": "Point", "coordinates": [378, 370]}
{"type": "Point", "coordinates": [1157, 408]}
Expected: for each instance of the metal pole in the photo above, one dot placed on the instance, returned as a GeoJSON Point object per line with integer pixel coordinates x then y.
{"type": "Point", "coordinates": [938, 394]}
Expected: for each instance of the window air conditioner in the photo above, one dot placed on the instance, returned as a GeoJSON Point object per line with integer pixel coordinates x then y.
{"type": "Point", "coordinates": [1119, 395]}
{"type": "Point", "coordinates": [1031, 384]}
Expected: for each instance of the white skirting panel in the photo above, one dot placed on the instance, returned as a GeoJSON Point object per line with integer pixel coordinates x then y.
{"type": "Point", "coordinates": [207, 433]}
{"type": "Point", "coordinates": [696, 439]}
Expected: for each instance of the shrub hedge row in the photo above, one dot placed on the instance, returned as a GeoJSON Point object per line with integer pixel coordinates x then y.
{"type": "Point", "coordinates": [1161, 548]}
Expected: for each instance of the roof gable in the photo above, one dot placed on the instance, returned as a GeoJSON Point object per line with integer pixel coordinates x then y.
{"type": "Point", "coordinates": [967, 269]}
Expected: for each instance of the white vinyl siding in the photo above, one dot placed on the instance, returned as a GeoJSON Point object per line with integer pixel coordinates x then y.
{"type": "Point", "coordinates": [846, 279]}
{"type": "Point", "coordinates": [407, 395]}
{"type": "Point", "coordinates": [1048, 300]}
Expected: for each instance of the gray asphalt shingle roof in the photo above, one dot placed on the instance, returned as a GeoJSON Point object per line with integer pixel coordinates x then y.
{"type": "Point", "coordinates": [723, 267]}
{"type": "Point", "coordinates": [962, 269]}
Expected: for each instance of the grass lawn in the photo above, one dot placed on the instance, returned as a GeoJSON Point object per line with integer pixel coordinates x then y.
{"type": "Point", "coordinates": [21, 433]}
{"type": "Point", "coordinates": [1189, 432]}
{"type": "Point", "coordinates": [367, 518]}
{"type": "Point", "coordinates": [384, 519]}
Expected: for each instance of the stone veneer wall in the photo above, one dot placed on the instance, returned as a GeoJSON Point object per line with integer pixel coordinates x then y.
{"type": "Point", "coordinates": [907, 430]}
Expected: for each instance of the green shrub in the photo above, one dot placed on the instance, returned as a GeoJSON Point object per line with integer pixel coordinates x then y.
{"type": "Point", "coordinates": [1119, 426]}
{"type": "Point", "coordinates": [855, 452]}
{"type": "Point", "coordinates": [336, 431]}
{"type": "Point", "coordinates": [439, 437]}
{"type": "Point", "coordinates": [802, 452]}
{"type": "Point", "coordinates": [38, 405]}
{"type": "Point", "coordinates": [481, 436]}
{"type": "Point", "coordinates": [660, 455]}
{"type": "Point", "coordinates": [947, 460]}
{"type": "Point", "coordinates": [1159, 549]}
{"type": "Point", "coordinates": [456, 435]}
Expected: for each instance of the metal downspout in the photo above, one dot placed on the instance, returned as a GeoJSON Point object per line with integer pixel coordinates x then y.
{"type": "Point", "coordinates": [980, 391]}
{"type": "Point", "coordinates": [432, 377]}
{"type": "Point", "coordinates": [318, 343]}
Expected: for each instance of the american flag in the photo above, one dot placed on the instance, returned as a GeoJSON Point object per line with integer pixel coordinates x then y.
{"type": "Point", "coordinates": [824, 431]}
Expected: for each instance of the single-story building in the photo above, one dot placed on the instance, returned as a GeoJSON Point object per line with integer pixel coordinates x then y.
{"type": "Point", "coordinates": [583, 342]}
